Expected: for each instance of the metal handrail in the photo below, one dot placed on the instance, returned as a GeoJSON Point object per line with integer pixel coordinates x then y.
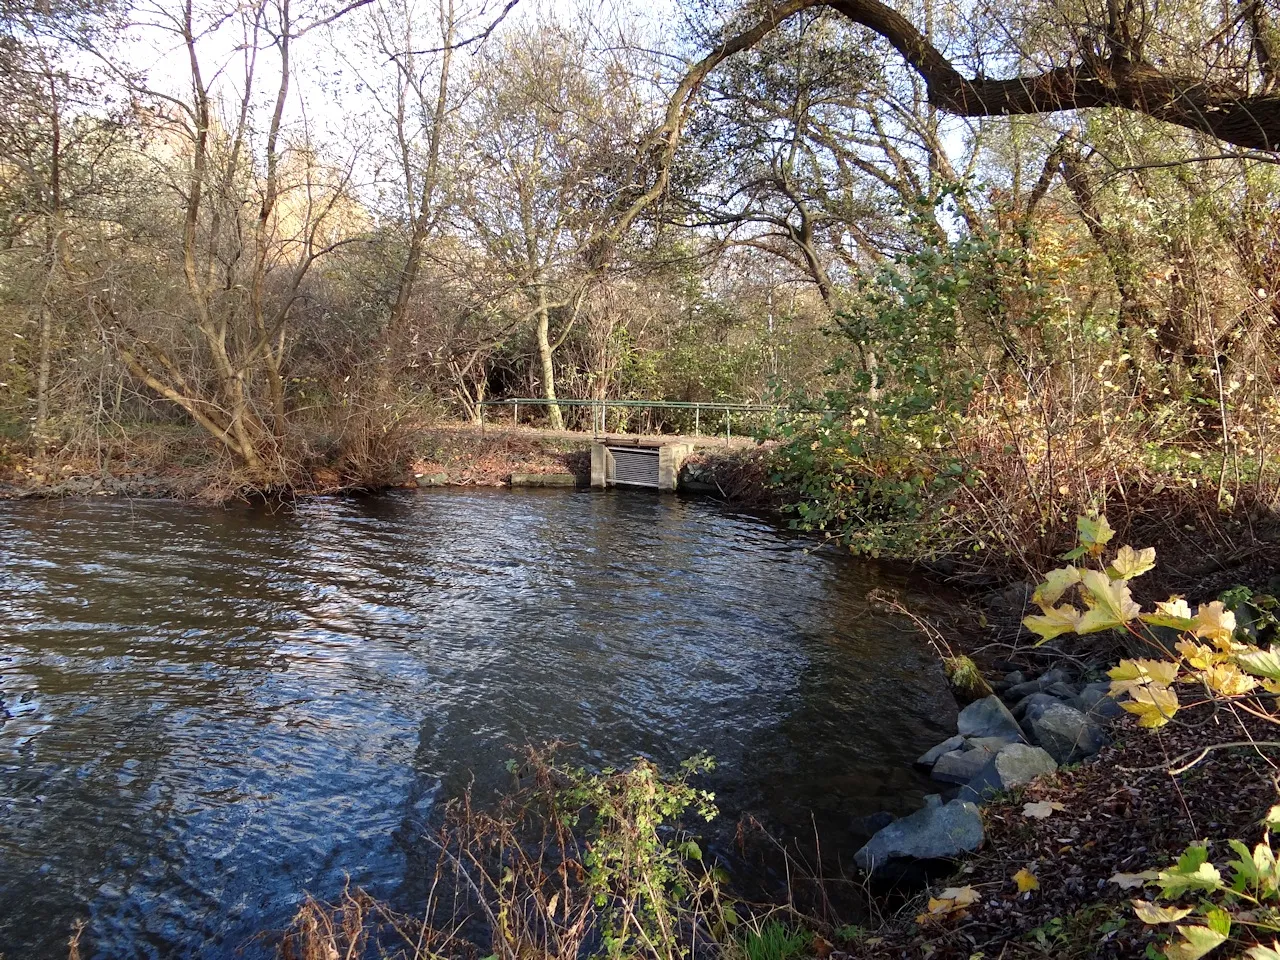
{"type": "Point", "coordinates": [600, 409]}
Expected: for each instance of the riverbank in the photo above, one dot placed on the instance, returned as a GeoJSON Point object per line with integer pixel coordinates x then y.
{"type": "Point", "coordinates": [178, 463]}
{"type": "Point", "coordinates": [1053, 876]}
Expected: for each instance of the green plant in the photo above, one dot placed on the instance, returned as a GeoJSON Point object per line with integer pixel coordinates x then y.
{"type": "Point", "coordinates": [1097, 597]}
{"type": "Point", "coordinates": [636, 871]}
{"type": "Point", "coordinates": [774, 940]}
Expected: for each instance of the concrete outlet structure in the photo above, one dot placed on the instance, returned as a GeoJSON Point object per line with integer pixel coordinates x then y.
{"type": "Point", "coordinates": [636, 462]}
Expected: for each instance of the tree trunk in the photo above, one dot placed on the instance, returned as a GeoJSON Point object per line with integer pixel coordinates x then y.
{"type": "Point", "coordinates": [545, 355]}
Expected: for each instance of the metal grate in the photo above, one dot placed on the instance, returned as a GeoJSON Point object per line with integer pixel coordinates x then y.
{"type": "Point", "coordinates": [635, 467]}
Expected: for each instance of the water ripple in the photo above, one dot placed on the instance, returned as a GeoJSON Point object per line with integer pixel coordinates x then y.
{"type": "Point", "coordinates": [208, 712]}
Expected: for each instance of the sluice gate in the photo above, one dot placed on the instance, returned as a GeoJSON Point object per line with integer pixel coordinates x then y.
{"type": "Point", "coordinates": [637, 462]}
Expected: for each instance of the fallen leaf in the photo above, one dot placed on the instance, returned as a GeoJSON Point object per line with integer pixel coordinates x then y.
{"type": "Point", "coordinates": [1026, 880]}
{"type": "Point", "coordinates": [1041, 809]}
{"type": "Point", "coordinates": [1149, 912]}
{"type": "Point", "coordinates": [1132, 881]}
{"type": "Point", "coordinates": [948, 904]}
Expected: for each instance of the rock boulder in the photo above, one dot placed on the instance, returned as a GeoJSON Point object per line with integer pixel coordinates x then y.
{"type": "Point", "coordinates": [1067, 734]}
{"type": "Point", "coordinates": [939, 831]}
{"type": "Point", "coordinates": [1014, 766]}
{"type": "Point", "coordinates": [988, 717]}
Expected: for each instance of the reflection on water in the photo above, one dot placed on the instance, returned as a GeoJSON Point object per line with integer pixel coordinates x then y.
{"type": "Point", "coordinates": [209, 712]}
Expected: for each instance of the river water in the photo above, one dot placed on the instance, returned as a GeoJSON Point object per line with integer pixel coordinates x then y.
{"type": "Point", "coordinates": [207, 712]}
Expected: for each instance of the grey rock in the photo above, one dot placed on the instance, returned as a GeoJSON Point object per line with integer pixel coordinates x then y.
{"type": "Point", "coordinates": [992, 744]}
{"type": "Point", "coordinates": [938, 831]}
{"type": "Point", "coordinates": [961, 766]}
{"type": "Point", "coordinates": [1020, 690]}
{"type": "Point", "coordinates": [1033, 703]}
{"type": "Point", "coordinates": [1067, 733]}
{"type": "Point", "coordinates": [1015, 765]}
{"type": "Point", "coordinates": [930, 756]}
{"type": "Point", "coordinates": [1056, 675]}
{"type": "Point", "coordinates": [1041, 684]}
{"type": "Point", "coordinates": [1096, 702]}
{"type": "Point", "coordinates": [988, 717]}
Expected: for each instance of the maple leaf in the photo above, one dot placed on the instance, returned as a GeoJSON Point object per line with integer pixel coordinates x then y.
{"type": "Point", "coordinates": [1093, 535]}
{"type": "Point", "coordinates": [1153, 704]}
{"type": "Point", "coordinates": [951, 902]}
{"type": "Point", "coordinates": [1053, 622]}
{"type": "Point", "coordinates": [1056, 583]}
{"type": "Point", "coordinates": [1197, 654]}
{"type": "Point", "coordinates": [1132, 881]}
{"type": "Point", "coordinates": [1137, 673]}
{"type": "Point", "coordinates": [1215, 622]}
{"type": "Point", "coordinates": [1026, 880]}
{"type": "Point", "coordinates": [1173, 612]}
{"type": "Point", "coordinates": [1225, 679]}
{"type": "Point", "coordinates": [1111, 603]}
{"type": "Point", "coordinates": [1196, 942]}
{"type": "Point", "coordinates": [1130, 563]}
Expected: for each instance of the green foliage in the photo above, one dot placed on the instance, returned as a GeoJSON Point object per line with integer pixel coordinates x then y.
{"type": "Point", "coordinates": [636, 864]}
{"type": "Point", "coordinates": [883, 465]}
{"type": "Point", "coordinates": [774, 940]}
{"type": "Point", "coordinates": [1257, 614]}
{"type": "Point", "coordinates": [1248, 894]}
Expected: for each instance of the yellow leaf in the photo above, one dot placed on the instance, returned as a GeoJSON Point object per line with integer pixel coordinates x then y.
{"type": "Point", "coordinates": [951, 902]}
{"type": "Point", "coordinates": [1053, 622]}
{"type": "Point", "coordinates": [1131, 563]}
{"type": "Point", "coordinates": [1196, 942]}
{"type": "Point", "coordinates": [1225, 679]}
{"type": "Point", "coordinates": [1112, 603]}
{"type": "Point", "coordinates": [961, 896]}
{"type": "Point", "coordinates": [1041, 809]}
{"type": "Point", "coordinates": [1056, 583]}
{"type": "Point", "coordinates": [1198, 655]}
{"type": "Point", "coordinates": [1026, 880]}
{"type": "Point", "coordinates": [1173, 612]}
{"type": "Point", "coordinates": [1142, 672]}
{"type": "Point", "coordinates": [1154, 705]}
{"type": "Point", "coordinates": [1215, 622]}
{"type": "Point", "coordinates": [1151, 913]}
{"type": "Point", "coordinates": [1094, 534]}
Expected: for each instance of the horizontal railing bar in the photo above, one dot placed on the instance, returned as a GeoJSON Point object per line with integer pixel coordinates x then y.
{"type": "Point", "coordinates": [663, 404]}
